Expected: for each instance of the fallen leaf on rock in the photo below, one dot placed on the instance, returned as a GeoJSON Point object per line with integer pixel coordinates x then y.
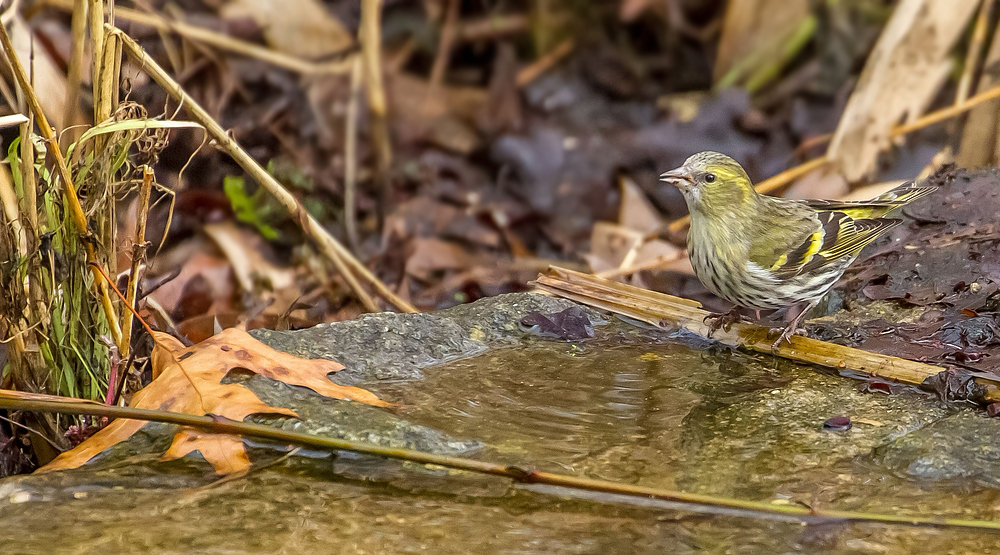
{"type": "Point", "coordinates": [568, 325]}
{"type": "Point", "coordinates": [189, 380]}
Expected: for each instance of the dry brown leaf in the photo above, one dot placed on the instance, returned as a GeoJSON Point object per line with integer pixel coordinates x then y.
{"type": "Point", "coordinates": [195, 387]}
{"type": "Point", "coordinates": [444, 116]}
{"type": "Point", "coordinates": [430, 255]}
{"type": "Point", "coordinates": [636, 212]}
{"type": "Point", "coordinates": [612, 246]}
{"type": "Point", "coordinates": [302, 28]}
{"type": "Point", "coordinates": [903, 73]}
{"type": "Point", "coordinates": [242, 248]}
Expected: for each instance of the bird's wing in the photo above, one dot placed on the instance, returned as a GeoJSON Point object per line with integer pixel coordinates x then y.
{"type": "Point", "coordinates": [836, 236]}
{"type": "Point", "coordinates": [878, 206]}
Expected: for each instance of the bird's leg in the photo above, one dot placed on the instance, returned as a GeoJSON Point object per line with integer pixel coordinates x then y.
{"type": "Point", "coordinates": [724, 320]}
{"type": "Point", "coordinates": [792, 327]}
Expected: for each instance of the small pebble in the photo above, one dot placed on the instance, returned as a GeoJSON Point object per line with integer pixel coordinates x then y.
{"type": "Point", "coordinates": [837, 424]}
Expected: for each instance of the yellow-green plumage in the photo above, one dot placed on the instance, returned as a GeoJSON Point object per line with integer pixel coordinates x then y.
{"type": "Point", "coordinates": [764, 252]}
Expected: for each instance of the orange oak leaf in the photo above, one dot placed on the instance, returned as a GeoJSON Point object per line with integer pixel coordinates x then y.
{"type": "Point", "coordinates": [189, 380]}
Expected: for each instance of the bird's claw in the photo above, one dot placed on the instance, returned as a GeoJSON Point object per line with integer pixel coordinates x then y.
{"type": "Point", "coordinates": [786, 337]}
{"type": "Point", "coordinates": [724, 320]}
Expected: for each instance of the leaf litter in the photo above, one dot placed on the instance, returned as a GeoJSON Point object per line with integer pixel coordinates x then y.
{"type": "Point", "coordinates": [190, 380]}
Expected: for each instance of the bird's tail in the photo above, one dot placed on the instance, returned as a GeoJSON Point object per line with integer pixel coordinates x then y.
{"type": "Point", "coordinates": [878, 206]}
{"type": "Point", "coordinates": [903, 195]}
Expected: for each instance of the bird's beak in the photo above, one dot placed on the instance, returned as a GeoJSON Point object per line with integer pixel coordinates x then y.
{"type": "Point", "coordinates": [680, 178]}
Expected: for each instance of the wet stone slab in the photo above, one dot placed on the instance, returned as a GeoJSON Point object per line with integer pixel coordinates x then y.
{"type": "Point", "coordinates": [632, 404]}
{"type": "Point", "coordinates": [390, 347]}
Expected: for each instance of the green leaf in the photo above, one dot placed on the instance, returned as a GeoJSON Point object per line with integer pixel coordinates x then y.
{"type": "Point", "coordinates": [246, 208]}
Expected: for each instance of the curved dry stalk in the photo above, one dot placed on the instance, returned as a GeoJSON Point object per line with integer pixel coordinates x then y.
{"type": "Point", "coordinates": [342, 259]}
{"type": "Point", "coordinates": [13, 400]}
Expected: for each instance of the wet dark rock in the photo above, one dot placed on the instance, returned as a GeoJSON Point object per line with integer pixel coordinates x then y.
{"type": "Point", "coordinates": [390, 346]}
{"type": "Point", "coordinates": [934, 279]}
{"type": "Point", "coordinates": [962, 447]}
{"type": "Point", "coordinates": [387, 345]}
{"type": "Point", "coordinates": [769, 440]}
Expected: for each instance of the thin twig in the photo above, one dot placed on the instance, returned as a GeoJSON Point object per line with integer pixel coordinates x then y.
{"type": "Point", "coordinates": [341, 258]}
{"type": "Point", "coordinates": [69, 190]}
{"type": "Point", "coordinates": [653, 264]}
{"type": "Point", "coordinates": [174, 358]}
{"type": "Point", "coordinates": [493, 27]}
{"type": "Point", "coordinates": [545, 63]}
{"type": "Point", "coordinates": [443, 55]}
{"type": "Point", "coordinates": [370, 37]}
{"type": "Point", "coordinates": [12, 400]}
{"type": "Point", "coordinates": [973, 56]}
{"type": "Point", "coordinates": [946, 113]}
{"type": "Point", "coordinates": [351, 157]}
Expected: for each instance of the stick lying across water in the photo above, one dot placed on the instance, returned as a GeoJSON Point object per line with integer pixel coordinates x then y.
{"type": "Point", "coordinates": [16, 400]}
{"type": "Point", "coordinates": [660, 309]}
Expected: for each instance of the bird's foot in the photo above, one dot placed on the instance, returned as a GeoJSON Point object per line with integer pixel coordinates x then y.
{"type": "Point", "coordinates": [786, 337]}
{"type": "Point", "coordinates": [724, 320]}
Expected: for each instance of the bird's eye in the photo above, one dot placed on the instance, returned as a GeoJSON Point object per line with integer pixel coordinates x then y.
{"type": "Point", "coordinates": [709, 178]}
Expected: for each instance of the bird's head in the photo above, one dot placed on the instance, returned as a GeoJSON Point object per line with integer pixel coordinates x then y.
{"type": "Point", "coordinates": [712, 183]}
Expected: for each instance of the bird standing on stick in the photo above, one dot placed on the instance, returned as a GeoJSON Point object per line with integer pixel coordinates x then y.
{"type": "Point", "coordinates": [764, 252]}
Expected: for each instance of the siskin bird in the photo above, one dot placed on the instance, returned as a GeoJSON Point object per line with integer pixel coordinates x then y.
{"type": "Point", "coordinates": [763, 252]}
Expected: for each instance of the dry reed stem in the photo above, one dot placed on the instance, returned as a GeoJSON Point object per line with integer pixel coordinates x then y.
{"type": "Point", "coordinates": [74, 73]}
{"type": "Point", "coordinates": [29, 184]}
{"type": "Point", "coordinates": [660, 309]}
{"type": "Point", "coordinates": [69, 190]}
{"type": "Point", "coordinates": [15, 400]}
{"type": "Point", "coordinates": [95, 24]}
{"type": "Point", "coordinates": [341, 258]}
{"type": "Point", "coordinates": [138, 256]}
